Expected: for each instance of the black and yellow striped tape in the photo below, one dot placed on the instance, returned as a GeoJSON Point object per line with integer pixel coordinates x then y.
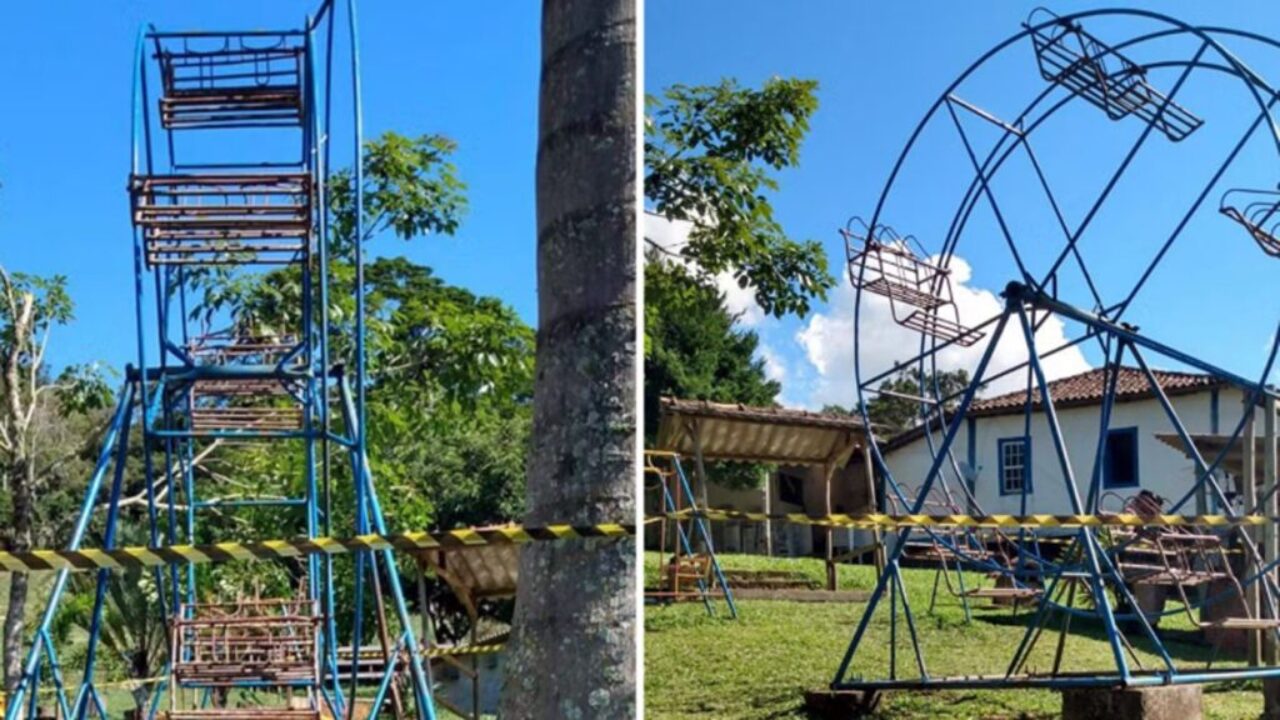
{"type": "Point", "coordinates": [465, 650]}
{"type": "Point", "coordinates": [873, 520]}
{"type": "Point", "coordinates": [126, 557]}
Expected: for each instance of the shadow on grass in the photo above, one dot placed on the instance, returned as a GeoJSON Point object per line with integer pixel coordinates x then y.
{"type": "Point", "coordinates": [1183, 645]}
{"type": "Point", "coordinates": [888, 710]}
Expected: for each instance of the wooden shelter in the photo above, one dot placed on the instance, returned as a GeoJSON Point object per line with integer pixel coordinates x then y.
{"type": "Point", "coordinates": [473, 574]}
{"type": "Point", "coordinates": [1252, 455]}
{"type": "Point", "coordinates": [705, 430]}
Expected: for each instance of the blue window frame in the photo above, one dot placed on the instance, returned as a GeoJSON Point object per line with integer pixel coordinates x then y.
{"type": "Point", "coordinates": [1120, 458]}
{"type": "Point", "coordinates": [1015, 464]}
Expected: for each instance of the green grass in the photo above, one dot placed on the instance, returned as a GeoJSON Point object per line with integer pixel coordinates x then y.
{"type": "Point", "coordinates": [759, 665]}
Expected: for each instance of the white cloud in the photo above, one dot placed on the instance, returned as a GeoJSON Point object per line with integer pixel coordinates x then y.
{"type": "Point", "coordinates": [671, 235]}
{"type": "Point", "coordinates": [775, 368]}
{"type": "Point", "coordinates": [827, 341]}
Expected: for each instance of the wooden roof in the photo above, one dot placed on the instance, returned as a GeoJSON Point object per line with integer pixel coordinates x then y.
{"type": "Point", "coordinates": [748, 433]}
{"type": "Point", "coordinates": [475, 572]}
{"type": "Point", "coordinates": [1210, 446]}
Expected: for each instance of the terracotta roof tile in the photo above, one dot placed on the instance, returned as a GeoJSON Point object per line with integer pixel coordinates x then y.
{"type": "Point", "coordinates": [1088, 387]}
{"type": "Point", "coordinates": [1085, 388]}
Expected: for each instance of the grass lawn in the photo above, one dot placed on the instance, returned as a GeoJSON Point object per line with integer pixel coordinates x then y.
{"type": "Point", "coordinates": [759, 665]}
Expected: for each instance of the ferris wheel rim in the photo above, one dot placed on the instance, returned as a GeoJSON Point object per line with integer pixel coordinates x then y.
{"type": "Point", "coordinates": [1234, 68]}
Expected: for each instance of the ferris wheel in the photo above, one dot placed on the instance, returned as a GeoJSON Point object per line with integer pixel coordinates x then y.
{"type": "Point", "coordinates": [1099, 168]}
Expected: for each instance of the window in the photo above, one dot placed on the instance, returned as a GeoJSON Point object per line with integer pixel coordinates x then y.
{"type": "Point", "coordinates": [791, 489]}
{"type": "Point", "coordinates": [1120, 460]}
{"type": "Point", "coordinates": [1015, 465]}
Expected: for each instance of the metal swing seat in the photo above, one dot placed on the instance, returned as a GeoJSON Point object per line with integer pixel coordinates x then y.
{"type": "Point", "coordinates": [951, 548]}
{"type": "Point", "coordinates": [882, 262]}
{"type": "Point", "coordinates": [1069, 56]}
{"type": "Point", "coordinates": [1182, 558]}
{"type": "Point", "coordinates": [1258, 212]}
{"type": "Point", "coordinates": [231, 80]}
{"type": "Point", "coordinates": [247, 643]}
{"type": "Point", "coordinates": [223, 219]}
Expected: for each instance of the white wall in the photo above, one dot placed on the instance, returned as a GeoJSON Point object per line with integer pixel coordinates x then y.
{"type": "Point", "coordinates": [1161, 469]}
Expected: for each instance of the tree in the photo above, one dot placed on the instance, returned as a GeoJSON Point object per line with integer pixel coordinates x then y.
{"type": "Point", "coordinates": [445, 366]}
{"type": "Point", "coordinates": [710, 154]}
{"type": "Point", "coordinates": [132, 635]}
{"type": "Point", "coordinates": [42, 431]}
{"type": "Point", "coordinates": [894, 413]}
{"type": "Point", "coordinates": [694, 350]}
{"type": "Point", "coordinates": [580, 594]}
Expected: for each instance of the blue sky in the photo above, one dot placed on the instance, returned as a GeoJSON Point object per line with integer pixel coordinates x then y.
{"type": "Point", "coordinates": [468, 70]}
{"type": "Point", "coordinates": [881, 65]}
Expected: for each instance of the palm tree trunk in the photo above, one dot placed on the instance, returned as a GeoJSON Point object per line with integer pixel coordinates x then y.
{"type": "Point", "coordinates": [573, 646]}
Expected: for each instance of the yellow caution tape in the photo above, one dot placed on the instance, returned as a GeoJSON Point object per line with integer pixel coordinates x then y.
{"type": "Point", "coordinates": [873, 520]}
{"type": "Point", "coordinates": [126, 557]}
{"type": "Point", "coordinates": [465, 650]}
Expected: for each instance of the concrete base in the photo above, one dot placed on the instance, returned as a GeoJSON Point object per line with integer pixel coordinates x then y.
{"type": "Point", "coordinates": [829, 704]}
{"type": "Point", "coordinates": [1169, 702]}
{"type": "Point", "coordinates": [1271, 699]}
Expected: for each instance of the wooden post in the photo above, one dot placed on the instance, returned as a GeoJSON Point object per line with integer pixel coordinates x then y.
{"type": "Point", "coordinates": [428, 633]}
{"type": "Point", "coordinates": [700, 466]}
{"type": "Point", "coordinates": [828, 469]}
{"type": "Point", "coordinates": [1249, 488]}
{"type": "Point", "coordinates": [701, 502]}
{"type": "Point", "coordinates": [768, 510]}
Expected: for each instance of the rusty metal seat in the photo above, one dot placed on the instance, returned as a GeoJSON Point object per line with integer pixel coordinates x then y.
{"type": "Point", "coordinates": [1091, 69]}
{"type": "Point", "coordinates": [223, 219]}
{"type": "Point", "coordinates": [231, 80]}
{"type": "Point", "coordinates": [893, 266]}
{"type": "Point", "coordinates": [1258, 212]}
{"type": "Point", "coordinates": [269, 643]}
{"type": "Point", "coordinates": [254, 406]}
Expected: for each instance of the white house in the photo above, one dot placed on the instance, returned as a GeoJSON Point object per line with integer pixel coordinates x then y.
{"type": "Point", "coordinates": [1000, 457]}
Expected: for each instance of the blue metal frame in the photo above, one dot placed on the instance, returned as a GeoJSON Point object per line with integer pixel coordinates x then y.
{"type": "Point", "coordinates": [1091, 560]}
{"type": "Point", "coordinates": [157, 389]}
{"type": "Point", "coordinates": [699, 529]}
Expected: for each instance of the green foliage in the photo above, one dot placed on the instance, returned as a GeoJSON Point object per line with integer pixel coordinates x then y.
{"type": "Point", "coordinates": [710, 155]}
{"type": "Point", "coordinates": [424, 332]}
{"type": "Point", "coordinates": [132, 639]}
{"type": "Point", "coordinates": [450, 374]}
{"type": "Point", "coordinates": [51, 303]}
{"type": "Point", "coordinates": [411, 188]}
{"type": "Point", "coordinates": [693, 350]}
{"type": "Point", "coordinates": [84, 388]}
{"type": "Point", "coordinates": [895, 414]}
{"type": "Point", "coordinates": [472, 471]}
{"type": "Point", "coordinates": [48, 425]}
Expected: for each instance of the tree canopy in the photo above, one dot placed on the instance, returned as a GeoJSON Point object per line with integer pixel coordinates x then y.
{"type": "Point", "coordinates": [694, 350]}
{"type": "Point", "coordinates": [47, 427]}
{"type": "Point", "coordinates": [895, 413]}
{"type": "Point", "coordinates": [711, 154]}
